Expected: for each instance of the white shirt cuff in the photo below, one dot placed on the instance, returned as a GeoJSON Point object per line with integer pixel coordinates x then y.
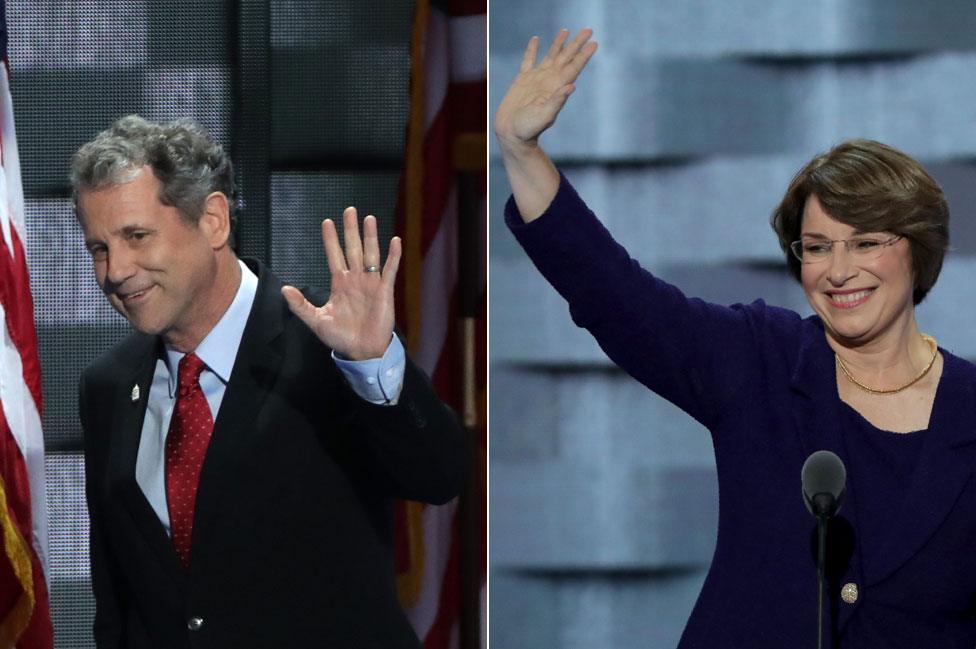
{"type": "Point", "coordinates": [377, 380]}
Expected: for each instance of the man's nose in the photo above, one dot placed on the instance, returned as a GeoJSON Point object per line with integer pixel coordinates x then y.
{"type": "Point", "coordinates": [119, 266]}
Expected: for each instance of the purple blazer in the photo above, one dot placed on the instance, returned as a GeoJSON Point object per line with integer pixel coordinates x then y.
{"type": "Point", "coordinates": [762, 380]}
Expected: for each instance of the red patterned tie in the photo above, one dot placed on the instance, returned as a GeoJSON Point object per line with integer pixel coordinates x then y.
{"type": "Point", "coordinates": [186, 445]}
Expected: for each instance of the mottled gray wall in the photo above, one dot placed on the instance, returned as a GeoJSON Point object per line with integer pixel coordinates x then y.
{"type": "Point", "coordinates": [682, 135]}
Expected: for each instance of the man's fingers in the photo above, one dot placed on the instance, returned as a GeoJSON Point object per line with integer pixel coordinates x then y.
{"type": "Point", "coordinates": [371, 242]}
{"type": "Point", "coordinates": [350, 232]}
{"type": "Point", "coordinates": [392, 262]}
{"type": "Point", "coordinates": [301, 307]}
{"type": "Point", "coordinates": [528, 59]}
{"type": "Point", "coordinates": [333, 251]}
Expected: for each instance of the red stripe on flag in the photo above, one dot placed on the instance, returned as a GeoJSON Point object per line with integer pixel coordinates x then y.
{"type": "Point", "coordinates": [468, 101]}
{"type": "Point", "coordinates": [15, 480]}
{"type": "Point", "coordinates": [16, 300]}
{"type": "Point", "coordinates": [438, 177]}
{"type": "Point", "coordinates": [461, 112]}
{"type": "Point", "coordinates": [26, 620]}
{"type": "Point", "coordinates": [38, 633]}
{"type": "Point", "coordinates": [447, 375]}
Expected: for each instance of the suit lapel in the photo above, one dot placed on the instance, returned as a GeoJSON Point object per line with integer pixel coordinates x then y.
{"type": "Point", "coordinates": [816, 403]}
{"type": "Point", "coordinates": [131, 400]}
{"type": "Point", "coordinates": [253, 377]}
{"type": "Point", "coordinates": [942, 472]}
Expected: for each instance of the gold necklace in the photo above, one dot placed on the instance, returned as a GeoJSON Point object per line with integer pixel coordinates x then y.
{"type": "Point", "coordinates": [935, 354]}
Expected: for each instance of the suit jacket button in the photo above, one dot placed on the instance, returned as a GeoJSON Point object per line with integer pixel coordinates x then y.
{"type": "Point", "coordinates": [849, 593]}
{"type": "Point", "coordinates": [194, 623]}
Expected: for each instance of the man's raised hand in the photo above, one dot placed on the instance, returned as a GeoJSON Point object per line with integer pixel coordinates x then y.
{"type": "Point", "coordinates": [357, 321]}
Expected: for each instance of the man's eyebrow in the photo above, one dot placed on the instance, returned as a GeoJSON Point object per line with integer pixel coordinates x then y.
{"type": "Point", "coordinates": [123, 231]}
{"type": "Point", "coordinates": [132, 227]}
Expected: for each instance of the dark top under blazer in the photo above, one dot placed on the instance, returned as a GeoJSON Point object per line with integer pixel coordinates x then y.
{"type": "Point", "coordinates": [292, 539]}
{"type": "Point", "coordinates": [762, 380]}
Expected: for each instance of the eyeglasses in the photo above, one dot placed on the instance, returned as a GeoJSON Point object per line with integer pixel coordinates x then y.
{"type": "Point", "coordinates": [866, 248]}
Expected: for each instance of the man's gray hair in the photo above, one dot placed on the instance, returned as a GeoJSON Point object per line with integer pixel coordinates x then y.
{"type": "Point", "coordinates": [188, 164]}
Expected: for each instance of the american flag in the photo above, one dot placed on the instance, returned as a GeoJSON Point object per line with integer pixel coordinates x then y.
{"type": "Point", "coordinates": [442, 217]}
{"type": "Point", "coordinates": [25, 619]}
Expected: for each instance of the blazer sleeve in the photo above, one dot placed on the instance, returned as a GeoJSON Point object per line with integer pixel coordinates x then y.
{"type": "Point", "coordinates": [108, 613]}
{"type": "Point", "coordinates": [696, 354]}
{"type": "Point", "coordinates": [417, 448]}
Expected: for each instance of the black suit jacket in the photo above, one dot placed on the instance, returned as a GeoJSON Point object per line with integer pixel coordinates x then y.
{"type": "Point", "coordinates": [292, 536]}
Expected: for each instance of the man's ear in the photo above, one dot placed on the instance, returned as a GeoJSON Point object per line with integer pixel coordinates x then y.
{"type": "Point", "coordinates": [215, 219]}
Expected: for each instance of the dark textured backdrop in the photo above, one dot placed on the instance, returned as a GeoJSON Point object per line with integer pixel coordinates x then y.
{"type": "Point", "coordinates": [309, 96]}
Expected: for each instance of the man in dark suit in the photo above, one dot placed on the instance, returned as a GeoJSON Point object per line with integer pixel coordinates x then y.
{"type": "Point", "coordinates": [243, 445]}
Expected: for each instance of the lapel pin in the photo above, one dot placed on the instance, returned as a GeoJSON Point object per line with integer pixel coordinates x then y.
{"type": "Point", "coordinates": [135, 392]}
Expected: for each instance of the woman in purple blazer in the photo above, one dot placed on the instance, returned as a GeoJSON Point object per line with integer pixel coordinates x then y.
{"type": "Point", "coordinates": [864, 230]}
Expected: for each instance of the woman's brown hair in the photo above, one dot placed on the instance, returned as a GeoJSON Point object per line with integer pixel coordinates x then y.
{"type": "Point", "coordinates": [871, 187]}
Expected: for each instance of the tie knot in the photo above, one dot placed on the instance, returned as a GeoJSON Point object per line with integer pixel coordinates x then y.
{"type": "Point", "coordinates": [191, 367]}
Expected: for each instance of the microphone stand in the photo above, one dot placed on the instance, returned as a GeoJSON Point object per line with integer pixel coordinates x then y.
{"type": "Point", "coordinates": [821, 560]}
{"type": "Point", "coordinates": [823, 504]}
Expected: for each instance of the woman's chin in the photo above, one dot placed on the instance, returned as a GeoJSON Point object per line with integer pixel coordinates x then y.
{"type": "Point", "coordinates": [850, 332]}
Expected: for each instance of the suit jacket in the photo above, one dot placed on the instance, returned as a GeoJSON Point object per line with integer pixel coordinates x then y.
{"type": "Point", "coordinates": [292, 536]}
{"type": "Point", "coordinates": [763, 381]}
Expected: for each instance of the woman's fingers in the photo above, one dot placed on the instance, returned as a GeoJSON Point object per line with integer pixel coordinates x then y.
{"type": "Point", "coordinates": [531, 51]}
{"type": "Point", "coordinates": [567, 60]}
{"type": "Point", "coordinates": [580, 60]}
{"type": "Point", "coordinates": [540, 90]}
{"type": "Point", "coordinates": [557, 46]}
{"type": "Point", "coordinates": [575, 45]}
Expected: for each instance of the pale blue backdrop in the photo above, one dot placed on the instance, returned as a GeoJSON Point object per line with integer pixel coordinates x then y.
{"type": "Point", "coordinates": [682, 135]}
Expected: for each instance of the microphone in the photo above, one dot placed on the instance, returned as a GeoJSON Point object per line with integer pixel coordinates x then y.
{"type": "Point", "coordinates": [824, 482]}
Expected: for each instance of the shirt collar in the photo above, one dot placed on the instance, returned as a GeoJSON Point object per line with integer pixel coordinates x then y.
{"type": "Point", "coordinates": [219, 348]}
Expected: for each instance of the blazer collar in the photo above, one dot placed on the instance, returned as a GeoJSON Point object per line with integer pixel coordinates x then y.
{"type": "Point", "coordinates": [139, 353]}
{"type": "Point", "coordinates": [815, 386]}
